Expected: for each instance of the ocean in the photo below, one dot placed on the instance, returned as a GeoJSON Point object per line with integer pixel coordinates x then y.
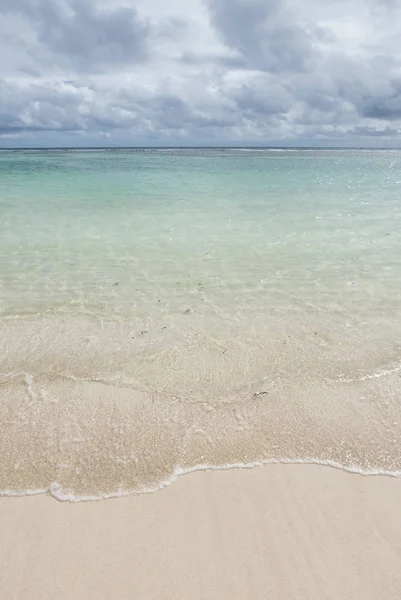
{"type": "Point", "coordinates": [167, 310]}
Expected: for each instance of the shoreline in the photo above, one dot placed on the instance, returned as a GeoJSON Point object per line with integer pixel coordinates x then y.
{"type": "Point", "coordinates": [92, 411]}
{"type": "Point", "coordinates": [56, 492]}
{"type": "Point", "coordinates": [278, 531]}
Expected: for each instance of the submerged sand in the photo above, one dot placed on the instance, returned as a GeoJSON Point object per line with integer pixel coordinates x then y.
{"type": "Point", "coordinates": [285, 532]}
{"type": "Point", "coordinates": [92, 409]}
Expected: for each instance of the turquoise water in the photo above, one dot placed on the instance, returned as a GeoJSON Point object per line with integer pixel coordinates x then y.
{"type": "Point", "coordinates": [291, 229]}
{"type": "Point", "coordinates": [216, 306]}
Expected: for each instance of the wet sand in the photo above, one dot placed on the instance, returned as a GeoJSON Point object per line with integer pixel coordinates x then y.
{"type": "Point", "coordinates": [280, 532]}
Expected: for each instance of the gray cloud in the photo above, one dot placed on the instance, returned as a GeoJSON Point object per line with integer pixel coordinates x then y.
{"type": "Point", "coordinates": [263, 32]}
{"type": "Point", "coordinates": [42, 107]}
{"type": "Point", "coordinates": [262, 98]}
{"type": "Point", "coordinates": [209, 71]}
{"type": "Point", "coordinates": [78, 34]}
{"type": "Point", "coordinates": [68, 107]}
{"type": "Point", "coordinates": [382, 133]}
{"type": "Point", "coordinates": [387, 108]}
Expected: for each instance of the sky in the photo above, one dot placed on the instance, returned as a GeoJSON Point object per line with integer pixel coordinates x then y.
{"type": "Point", "coordinates": [200, 73]}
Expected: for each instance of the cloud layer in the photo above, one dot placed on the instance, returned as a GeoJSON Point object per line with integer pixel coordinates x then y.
{"type": "Point", "coordinates": [200, 72]}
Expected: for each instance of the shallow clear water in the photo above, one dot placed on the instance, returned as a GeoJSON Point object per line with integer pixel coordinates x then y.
{"type": "Point", "coordinates": [164, 310]}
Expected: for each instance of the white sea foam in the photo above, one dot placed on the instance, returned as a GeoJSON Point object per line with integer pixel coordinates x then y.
{"type": "Point", "coordinates": [56, 490]}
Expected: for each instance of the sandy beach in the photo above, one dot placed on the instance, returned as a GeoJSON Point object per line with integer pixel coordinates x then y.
{"type": "Point", "coordinates": [277, 532]}
{"type": "Point", "coordinates": [200, 300]}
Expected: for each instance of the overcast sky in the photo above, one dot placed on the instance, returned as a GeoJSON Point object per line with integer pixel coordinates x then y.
{"type": "Point", "coordinates": [200, 72]}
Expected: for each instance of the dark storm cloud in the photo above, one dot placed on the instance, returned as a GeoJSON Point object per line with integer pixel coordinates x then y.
{"type": "Point", "coordinates": [80, 35]}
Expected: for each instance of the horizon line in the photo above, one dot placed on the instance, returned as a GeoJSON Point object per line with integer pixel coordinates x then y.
{"type": "Point", "coordinates": [216, 147]}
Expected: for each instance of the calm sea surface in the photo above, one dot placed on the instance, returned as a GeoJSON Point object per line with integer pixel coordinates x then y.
{"type": "Point", "coordinates": [168, 310]}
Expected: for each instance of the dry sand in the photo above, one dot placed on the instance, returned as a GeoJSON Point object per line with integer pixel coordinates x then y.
{"type": "Point", "coordinates": [278, 532]}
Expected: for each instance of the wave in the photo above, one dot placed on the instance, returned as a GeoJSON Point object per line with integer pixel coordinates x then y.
{"type": "Point", "coordinates": [63, 495]}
